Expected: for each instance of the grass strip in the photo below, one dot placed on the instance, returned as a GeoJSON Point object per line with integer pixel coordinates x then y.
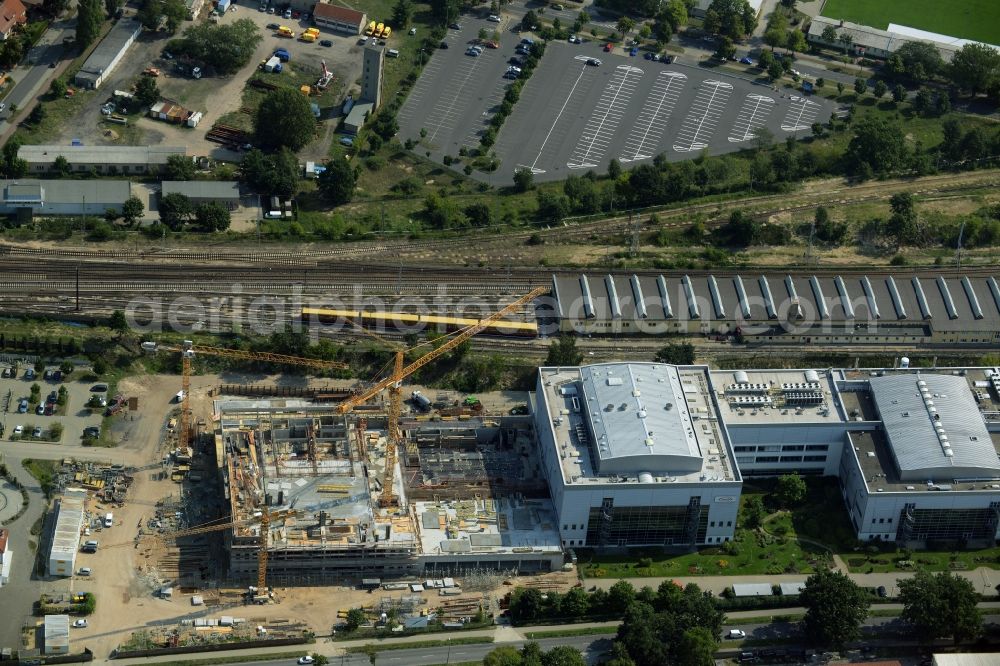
{"type": "Point", "coordinates": [580, 631]}
{"type": "Point", "coordinates": [235, 659]}
{"type": "Point", "coordinates": [414, 645]}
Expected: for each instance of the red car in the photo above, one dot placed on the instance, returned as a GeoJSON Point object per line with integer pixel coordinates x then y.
{"type": "Point", "coordinates": [492, 45]}
{"type": "Point", "coordinates": [609, 47]}
{"type": "Point", "coordinates": [49, 409]}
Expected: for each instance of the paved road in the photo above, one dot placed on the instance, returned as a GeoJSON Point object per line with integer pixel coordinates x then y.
{"type": "Point", "coordinates": [32, 77]}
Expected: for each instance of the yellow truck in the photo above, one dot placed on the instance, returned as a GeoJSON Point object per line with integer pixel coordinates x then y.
{"type": "Point", "coordinates": [371, 28]}
{"type": "Point", "coordinates": [386, 32]}
{"type": "Point", "coordinates": [284, 31]}
{"type": "Point", "coordinates": [378, 30]}
{"type": "Point", "coordinates": [308, 37]}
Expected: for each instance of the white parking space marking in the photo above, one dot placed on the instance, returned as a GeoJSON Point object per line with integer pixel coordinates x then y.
{"type": "Point", "coordinates": [603, 123]}
{"type": "Point", "coordinates": [703, 116]}
{"type": "Point", "coordinates": [754, 114]}
{"type": "Point", "coordinates": [548, 135]}
{"type": "Point", "coordinates": [495, 98]}
{"type": "Point", "coordinates": [652, 120]}
{"type": "Point", "coordinates": [415, 99]}
{"type": "Point", "coordinates": [447, 110]}
{"type": "Point", "coordinates": [800, 115]}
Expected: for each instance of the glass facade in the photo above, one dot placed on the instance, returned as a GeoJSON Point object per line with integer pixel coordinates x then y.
{"type": "Point", "coordinates": [946, 524]}
{"type": "Point", "coordinates": [646, 525]}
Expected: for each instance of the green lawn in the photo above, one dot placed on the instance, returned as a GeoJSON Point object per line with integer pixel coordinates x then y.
{"type": "Point", "coordinates": [969, 19]}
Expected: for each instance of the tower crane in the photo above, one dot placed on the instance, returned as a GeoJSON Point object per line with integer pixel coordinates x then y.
{"type": "Point", "coordinates": [265, 519]}
{"type": "Point", "coordinates": [188, 350]}
{"type": "Point", "coordinates": [400, 372]}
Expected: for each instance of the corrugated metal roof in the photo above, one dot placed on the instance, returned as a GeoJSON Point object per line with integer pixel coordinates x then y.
{"type": "Point", "coordinates": [47, 153]}
{"type": "Point", "coordinates": [934, 427]}
{"type": "Point", "coordinates": [57, 191]}
{"type": "Point", "coordinates": [752, 589]}
{"type": "Point", "coordinates": [56, 632]}
{"type": "Point", "coordinates": [69, 522]}
{"type": "Point", "coordinates": [638, 418]}
{"type": "Point", "coordinates": [946, 303]}
{"type": "Point", "coordinates": [203, 189]}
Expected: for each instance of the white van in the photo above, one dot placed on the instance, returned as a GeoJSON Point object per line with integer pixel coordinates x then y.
{"type": "Point", "coordinates": [109, 520]}
{"type": "Point", "coordinates": [392, 53]}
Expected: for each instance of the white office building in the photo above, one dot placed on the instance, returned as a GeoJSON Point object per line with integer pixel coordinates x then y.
{"type": "Point", "coordinates": [636, 455]}
{"type": "Point", "coordinates": [645, 453]}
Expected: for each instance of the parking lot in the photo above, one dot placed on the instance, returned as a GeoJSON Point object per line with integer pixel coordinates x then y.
{"type": "Point", "coordinates": [74, 416]}
{"type": "Point", "coordinates": [573, 117]}
{"type": "Point", "coordinates": [457, 94]}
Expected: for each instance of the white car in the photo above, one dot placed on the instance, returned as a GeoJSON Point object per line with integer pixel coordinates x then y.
{"type": "Point", "coordinates": [18, 429]}
{"type": "Point", "coordinates": [573, 39]}
{"type": "Point", "coordinates": [736, 634]}
{"type": "Point", "coordinates": [307, 659]}
{"type": "Point", "coordinates": [79, 624]}
{"type": "Point", "coordinates": [493, 18]}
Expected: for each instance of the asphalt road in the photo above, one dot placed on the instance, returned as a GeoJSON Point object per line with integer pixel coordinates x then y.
{"type": "Point", "coordinates": [31, 78]}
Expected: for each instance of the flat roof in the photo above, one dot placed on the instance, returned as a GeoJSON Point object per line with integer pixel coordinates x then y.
{"type": "Point", "coordinates": [45, 153]}
{"type": "Point", "coordinates": [943, 301]}
{"type": "Point", "coordinates": [638, 418]}
{"type": "Point", "coordinates": [69, 521]}
{"type": "Point", "coordinates": [577, 443]}
{"type": "Point", "coordinates": [120, 36]}
{"type": "Point", "coordinates": [66, 191]}
{"type": "Point", "coordinates": [56, 631]}
{"type": "Point", "coordinates": [202, 189]}
{"type": "Point", "coordinates": [476, 526]}
{"type": "Point", "coordinates": [337, 13]}
{"type": "Point", "coordinates": [752, 589]}
{"type": "Point", "coordinates": [934, 427]}
{"type": "Point", "coordinates": [738, 388]}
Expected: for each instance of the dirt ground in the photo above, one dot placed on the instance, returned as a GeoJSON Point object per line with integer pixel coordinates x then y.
{"type": "Point", "coordinates": [214, 96]}
{"type": "Point", "coordinates": [125, 600]}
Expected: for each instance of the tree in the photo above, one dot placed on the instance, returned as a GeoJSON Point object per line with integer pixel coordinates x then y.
{"type": "Point", "coordinates": [277, 173]}
{"type": "Point", "coordinates": [681, 353]}
{"type": "Point", "coordinates": [89, 17]}
{"type": "Point", "coordinates": [797, 41]}
{"type": "Point", "coordinates": [620, 596]}
{"type": "Point", "coordinates": [402, 12]}
{"type": "Point", "coordinates": [212, 216]}
{"type": "Point", "coordinates": [552, 207]}
{"type": "Point", "coordinates": [726, 49]}
{"type": "Point", "coordinates": [336, 184]}
{"type": "Point", "coordinates": [284, 119]}
{"type": "Point", "coordinates": [878, 143]}
{"type": "Point", "coordinates": [845, 40]}
{"type": "Point", "coordinates": [57, 88]}
{"type": "Point", "coordinates": [697, 648]}
{"type": "Point", "coordinates": [829, 35]}
{"type": "Point", "coordinates": [625, 25]}
{"type": "Point", "coordinates": [563, 352]}
{"type": "Point", "coordinates": [175, 210]}
{"type": "Point", "coordinates": [941, 605]}
{"type": "Point", "coordinates": [731, 18]}
{"type": "Point", "coordinates": [790, 490]}
{"type": "Point", "coordinates": [840, 87]}
{"type": "Point", "coordinates": [529, 21]}
{"type": "Point", "coordinates": [860, 86]}
{"type": "Point", "coordinates": [117, 322]}
{"type": "Point", "coordinates": [61, 167]}
{"type": "Point", "coordinates": [503, 656]}
{"type": "Point", "coordinates": [147, 92]}
{"type": "Point", "coordinates": [835, 609]}
{"type": "Point", "coordinates": [55, 7]}
{"type": "Point", "coordinates": [919, 60]}
{"type": "Point", "coordinates": [669, 20]}
{"type": "Point", "coordinates": [776, 36]}
{"type": "Point", "coordinates": [355, 618]}
{"type": "Point", "coordinates": [225, 47]}
{"type": "Point", "coordinates": [563, 655]}
{"type": "Point", "coordinates": [614, 169]}
{"type": "Point", "coordinates": [880, 89]}
{"type": "Point", "coordinates": [575, 603]}
{"type": "Point", "coordinates": [150, 14]}
{"type": "Point", "coordinates": [524, 180]}
{"type": "Point", "coordinates": [902, 225]}
{"type": "Point", "coordinates": [975, 66]}
{"type": "Point", "coordinates": [898, 93]}
{"type": "Point", "coordinates": [132, 209]}
{"type": "Point", "coordinates": [179, 167]}
{"type": "Point", "coordinates": [775, 71]}
{"type": "Point", "coordinates": [753, 512]}
{"type": "Point", "coordinates": [526, 603]}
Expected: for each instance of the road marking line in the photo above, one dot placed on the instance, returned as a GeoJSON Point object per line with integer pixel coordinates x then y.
{"type": "Point", "coordinates": [673, 77]}
{"type": "Point", "coordinates": [554, 122]}
{"type": "Point", "coordinates": [716, 86]}
{"type": "Point", "coordinates": [627, 69]}
{"type": "Point", "coordinates": [748, 133]}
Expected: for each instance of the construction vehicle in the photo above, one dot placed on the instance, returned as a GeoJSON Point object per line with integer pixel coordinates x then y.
{"type": "Point", "coordinates": [370, 29]}
{"type": "Point", "coordinates": [400, 372]}
{"type": "Point", "coordinates": [378, 30]}
{"type": "Point", "coordinates": [307, 37]}
{"type": "Point", "coordinates": [386, 32]}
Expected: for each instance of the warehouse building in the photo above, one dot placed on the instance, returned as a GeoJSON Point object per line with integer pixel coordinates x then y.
{"type": "Point", "coordinates": [124, 160]}
{"type": "Point", "coordinates": [779, 308]}
{"type": "Point", "coordinates": [65, 542]}
{"type": "Point", "coordinates": [6, 556]}
{"type": "Point", "coordinates": [225, 193]}
{"type": "Point", "coordinates": [339, 19]}
{"type": "Point", "coordinates": [635, 455]}
{"type": "Point", "coordinates": [56, 639]}
{"type": "Point", "coordinates": [875, 43]}
{"type": "Point", "coordinates": [63, 197]}
{"type": "Point", "coordinates": [105, 58]}
{"type": "Point", "coordinates": [649, 454]}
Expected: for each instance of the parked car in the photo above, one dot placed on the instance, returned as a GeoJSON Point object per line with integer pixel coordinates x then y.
{"type": "Point", "coordinates": [736, 634]}
{"type": "Point", "coordinates": [455, 26]}
{"type": "Point", "coordinates": [53, 397]}
{"type": "Point", "coordinates": [746, 60]}
{"type": "Point", "coordinates": [287, 14]}
{"type": "Point", "coordinates": [22, 407]}
{"type": "Point", "coordinates": [37, 432]}
{"type": "Point", "coordinates": [443, 45]}
{"type": "Point", "coordinates": [593, 62]}
{"type": "Point", "coordinates": [272, 26]}
{"type": "Point", "coordinates": [8, 372]}
{"type": "Point", "coordinates": [634, 51]}
{"type": "Point", "coordinates": [667, 59]}
{"type": "Point", "coordinates": [306, 659]}
{"type": "Point", "coordinates": [18, 429]}
{"type": "Point", "coordinates": [609, 47]}
{"type": "Point", "coordinates": [84, 571]}
{"type": "Point", "coordinates": [326, 42]}
{"type": "Point", "coordinates": [493, 18]}
{"type": "Point", "coordinates": [882, 592]}
{"type": "Point", "coordinates": [29, 374]}
{"type": "Point", "coordinates": [99, 388]}
{"type": "Point", "coordinates": [80, 624]}
{"type": "Point", "coordinates": [50, 409]}
{"type": "Point", "coordinates": [40, 409]}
